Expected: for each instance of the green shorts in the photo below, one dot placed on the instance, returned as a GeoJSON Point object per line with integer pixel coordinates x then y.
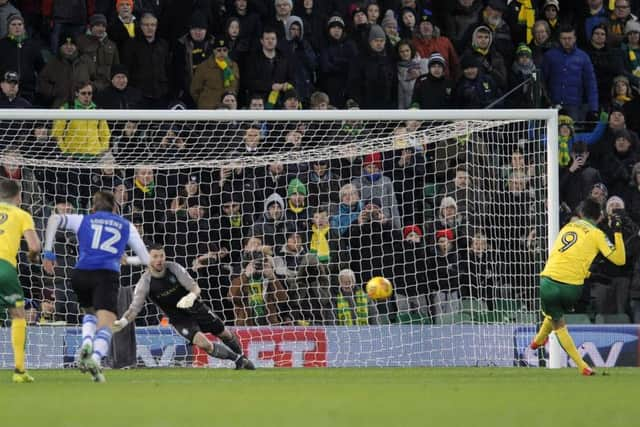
{"type": "Point", "coordinates": [11, 294]}
{"type": "Point", "coordinates": [558, 298]}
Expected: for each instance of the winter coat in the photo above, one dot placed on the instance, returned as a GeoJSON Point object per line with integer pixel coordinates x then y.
{"type": "Point", "coordinates": [477, 93]}
{"type": "Point", "coordinates": [273, 231]}
{"type": "Point", "coordinates": [406, 85]}
{"type": "Point", "coordinates": [373, 81]}
{"type": "Point", "coordinates": [114, 99]}
{"type": "Point", "coordinates": [334, 69]}
{"type": "Point", "coordinates": [345, 216]}
{"type": "Point", "coordinates": [432, 93]}
{"type": "Point", "coordinates": [569, 78]}
{"type": "Point", "coordinates": [58, 77]}
{"type": "Point", "coordinates": [442, 45]}
{"type": "Point", "coordinates": [304, 61]}
{"type": "Point", "coordinates": [262, 72]}
{"type": "Point", "coordinates": [207, 86]}
{"type": "Point", "coordinates": [576, 186]}
{"type": "Point", "coordinates": [25, 58]}
{"type": "Point", "coordinates": [104, 53]}
{"type": "Point", "coordinates": [371, 249]}
{"type": "Point", "coordinates": [184, 63]}
{"type": "Point", "coordinates": [607, 64]}
{"type": "Point", "coordinates": [381, 189]}
{"type": "Point", "coordinates": [458, 22]}
{"type": "Point", "coordinates": [149, 67]}
{"type": "Point", "coordinates": [82, 137]}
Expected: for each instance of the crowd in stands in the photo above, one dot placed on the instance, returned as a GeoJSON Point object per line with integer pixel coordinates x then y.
{"type": "Point", "coordinates": [287, 244]}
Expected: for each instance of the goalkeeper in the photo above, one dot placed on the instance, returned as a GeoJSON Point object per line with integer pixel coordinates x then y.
{"type": "Point", "coordinates": [561, 281]}
{"type": "Point", "coordinates": [175, 292]}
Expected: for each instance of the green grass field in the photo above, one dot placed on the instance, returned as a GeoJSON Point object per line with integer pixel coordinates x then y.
{"type": "Point", "coordinates": [324, 397]}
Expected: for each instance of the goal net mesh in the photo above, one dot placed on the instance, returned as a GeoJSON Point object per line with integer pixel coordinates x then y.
{"type": "Point", "coordinates": [283, 222]}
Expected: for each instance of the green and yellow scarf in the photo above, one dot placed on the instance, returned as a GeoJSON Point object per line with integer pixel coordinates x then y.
{"type": "Point", "coordinates": [319, 244]}
{"type": "Point", "coordinates": [227, 73]}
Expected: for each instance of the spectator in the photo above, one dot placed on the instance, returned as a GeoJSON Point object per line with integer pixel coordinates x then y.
{"type": "Point", "coordinates": [283, 11]}
{"type": "Point", "coordinates": [478, 276]}
{"type": "Point", "coordinates": [443, 274]}
{"type": "Point", "coordinates": [491, 62]}
{"type": "Point", "coordinates": [434, 90]}
{"type": "Point", "coordinates": [147, 58]}
{"type": "Point", "coordinates": [569, 77]}
{"type": "Point", "coordinates": [58, 78]}
{"type": "Point", "coordinates": [271, 225]}
{"type": "Point", "coordinates": [303, 59]}
{"type": "Point", "coordinates": [567, 136]}
{"type": "Point", "coordinates": [314, 21]}
{"type": "Point", "coordinates": [465, 13]}
{"type": "Point", "coordinates": [353, 307]}
{"type": "Point", "coordinates": [6, 10]}
{"type": "Point", "coordinates": [390, 26]}
{"type": "Point", "coordinates": [323, 184]}
{"type": "Point", "coordinates": [191, 50]}
{"type": "Point", "coordinates": [607, 62]}
{"type": "Point", "coordinates": [249, 24]}
{"type": "Point", "coordinates": [119, 95]}
{"type": "Point", "coordinates": [335, 58]}
{"type": "Point", "coordinates": [631, 48]}
{"type": "Point", "coordinates": [268, 71]}
{"type": "Point", "coordinates": [231, 227]}
{"type": "Point", "coordinates": [598, 14]}
{"type": "Point", "coordinates": [427, 40]}
{"type": "Point", "coordinates": [617, 22]}
{"type": "Point", "coordinates": [600, 193]}
{"type": "Point", "coordinates": [524, 72]}
{"type": "Point", "coordinates": [82, 137]}
{"type": "Point", "coordinates": [474, 88]}
{"type": "Point", "coordinates": [348, 210]}
{"type": "Point", "coordinates": [68, 19]}
{"type": "Point", "coordinates": [632, 197]}
{"type": "Point", "coordinates": [492, 18]}
{"type": "Point", "coordinates": [297, 214]}
{"type": "Point", "coordinates": [148, 199]}
{"type": "Point", "coordinates": [360, 28]}
{"type": "Point", "coordinates": [10, 86]}
{"type": "Point", "coordinates": [215, 76]}
{"type": "Point", "coordinates": [551, 15]}
{"type": "Point", "coordinates": [410, 271]}
{"type": "Point", "coordinates": [541, 42]}
{"type": "Point", "coordinates": [374, 184]}
{"type": "Point", "coordinates": [256, 291]}
{"type": "Point", "coordinates": [618, 165]}
{"type": "Point", "coordinates": [577, 180]}
{"type": "Point", "coordinates": [20, 53]}
{"type": "Point", "coordinates": [100, 49]}
{"type": "Point", "coordinates": [373, 81]}
{"type": "Point", "coordinates": [408, 20]}
{"type": "Point", "coordinates": [410, 66]}
{"type": "Point", "coordinates": [124, 27]}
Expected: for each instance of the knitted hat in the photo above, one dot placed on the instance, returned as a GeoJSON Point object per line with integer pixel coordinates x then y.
{"type": "Point", "coordinates": [119, 69]}
{"type": "Point", "coordinates": [335, 21]}
{"type": "Point", "coordinates": [447, 232]}
{"type": "Point", "coordinates": [499, 5]}
{"type": "Point", "coordinates": [632, 26]}
{"type": "Point", "coordinates": [554, 3]}
{"type": "Point", "coordinates": [119, 2]}
{"type": "Point", "coordinates": [523, 50]}
{"type": "Point", "coordinates": [13, 17]}
{"type": "Point", "coordinates": [389, 19]}
{"type": "Point", "coordinates": [357, 10]}
{"type": "Point", "coordinates": [622, 133]}
{"type": "Point", "coordinates": [427, 16]}
{"type": "Point", "coordinates": [198, 20]}
{"type": "Point", "coordinates": [436, 58]}
{"type": "Point", "coordinates": [372, 159]}
{"type": "Point", "coordinates": [97, 19]}
{"type": "Point", "coordinates": [469, 61]}
{"type": "Point", "coordinates": [602, 187]}
{"type": "Point", "coordinates": [296, 186]}
{"type": "Point", "coordinates": [413, 228]}
{"type": "Point", "coordinates": [376, 32]}
{"type": "Point", "coordinates": [11, 77]}
{"type": "Point", "coordinates": [564, 120]}
{"type": "Point", "coordinates": [614, 199]}
{"type": "Point", "coordinates": [617, 79]}
{"type": "Point", "coordinates": [221, 43]}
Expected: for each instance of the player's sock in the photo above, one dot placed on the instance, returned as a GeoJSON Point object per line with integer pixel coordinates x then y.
{"type": "Point", "coordinates": [18, 341]}
{"type": "Point", "coordinates": [543, 333]}
{"type": "Point", "coordinates": [233, 343]}
{"type": "Point", "coordinates": [569, 346]}
{"type": "Point", "coordinates": [221, 352]}
{"type": "Point", "coordinates": [101, 344]}
{"type": "Point", "coordinates": [89, 322]}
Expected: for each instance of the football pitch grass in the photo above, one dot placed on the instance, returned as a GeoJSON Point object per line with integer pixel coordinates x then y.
{"type": "Point", "coordinates": [324, 397]}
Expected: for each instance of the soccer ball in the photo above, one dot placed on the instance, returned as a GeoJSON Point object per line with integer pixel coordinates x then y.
{"type": "Point", "coordinates": [379, 288]}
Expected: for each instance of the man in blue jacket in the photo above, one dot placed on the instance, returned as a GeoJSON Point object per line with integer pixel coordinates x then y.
{"type": "Point", "coordinates": [570, 79]}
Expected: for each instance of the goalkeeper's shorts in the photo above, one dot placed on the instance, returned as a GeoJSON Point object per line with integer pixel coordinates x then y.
{"type": "Point", "coordinates": [558, 298]}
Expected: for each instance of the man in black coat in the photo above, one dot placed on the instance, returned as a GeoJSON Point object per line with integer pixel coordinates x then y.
{"type": "Point", "coordinates": [9, 96]}
{"type": "Point", "coordinates": [119, 96]}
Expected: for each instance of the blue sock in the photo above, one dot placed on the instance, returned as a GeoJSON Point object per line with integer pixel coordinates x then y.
{"type": "Point", "coordinates": [101, 344]}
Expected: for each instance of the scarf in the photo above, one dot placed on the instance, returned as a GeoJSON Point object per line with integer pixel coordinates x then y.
{"type": "Point", "coordinates": [633, 60]}
{"type": "Point", "coordinates": [227, 74]}
{"type": "Point", "coordinates": [526, 70]}
{"type": "Point", "coordinates": [373, 177]}
{"type": "Point", "coordinates": [235, 220]}
{"type": "Point", "coordinates": [146, 189]}
{"type": "Point", "coordinates": [319, 244]}
{"type": "Point", "coordinates": [526, 17]}
{"type": "Point", "coordinates": [623, 98]}
{"type": "Point", "coordinates": [77, 105]}
{"type": "Point", "coordinates": [346, 311]}
{"type": "Point", "coordinates": [256, 298]}
{"type": "Point", "coordinates": [483, 52]}
{"type": "Point", "coordinates": [274, 95]}
{"type": "Point", "coordinates": [294, 209]}
{"type": "Point", "coordinates": [18, 39]}
{"type": "Point", "coordinates": [563, 150]}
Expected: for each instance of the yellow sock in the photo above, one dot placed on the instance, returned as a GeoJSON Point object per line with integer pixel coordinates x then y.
{"type": "Point", "coordinates": [545, 330]}
{"type": "Point", "coordinates": [18, 341]}
{"type": "Point", "coordinates": [568, 345]}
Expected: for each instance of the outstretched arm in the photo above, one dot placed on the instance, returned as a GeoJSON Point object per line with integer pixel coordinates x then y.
{"type": "Point", "coordinates": [55, 223]}
{"type": "Point", "coordinates": [139, 296]}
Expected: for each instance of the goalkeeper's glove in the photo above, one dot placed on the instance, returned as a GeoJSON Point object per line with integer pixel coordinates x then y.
{"type": "Point", "coordinates": [187, 300]}
{"type": "Point", "coordinates": [119, 324]}
{"type": "Point", "coordinates": [616, 224]}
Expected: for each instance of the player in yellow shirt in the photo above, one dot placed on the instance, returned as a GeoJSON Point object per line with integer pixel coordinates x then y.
{"type": "Point", "coordinates": [14, 224]}
{"type": "Point", "coordinates": [568, 265]}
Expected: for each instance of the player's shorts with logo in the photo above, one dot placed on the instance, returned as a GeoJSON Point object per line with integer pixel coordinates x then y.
{"type": "Point", "coordinates": [198, 318]}
{"type": "Point", "coordinates": [558, 298]}
{"type": "Point", "coordinates": [11, 294]}
{"type": "Point", "coordinates": [96, 288]}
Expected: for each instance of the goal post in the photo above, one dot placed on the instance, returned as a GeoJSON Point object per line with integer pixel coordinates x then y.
{"type": "Point", "coordinates": [283, 216]}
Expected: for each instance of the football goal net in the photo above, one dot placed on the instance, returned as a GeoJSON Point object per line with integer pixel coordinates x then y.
{"type": "Point", "coordinates": [283, 217]}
